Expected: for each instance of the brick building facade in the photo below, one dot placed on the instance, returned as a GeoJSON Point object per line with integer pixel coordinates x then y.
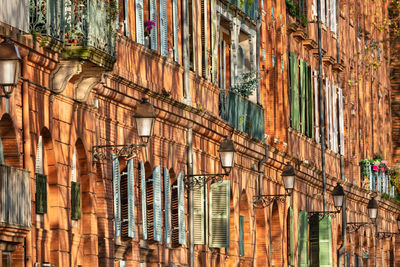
{"type": "Point", "coordinates": [80, 85]}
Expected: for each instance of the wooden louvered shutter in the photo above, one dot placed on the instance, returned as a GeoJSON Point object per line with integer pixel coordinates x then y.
{"type": "Point", "coordinates": [291, 237]}
{"type": "Point", "coordinates": [303, 239]}
{"type": "Point", "coordinates": [341, 122]}
{"type": "Point", "coordinates": [1, 152]}
{"type": "Point", "coordinates": [157, 206]}
{"type": "Point", "coordinates": [131, 200]}
{"type": "Point", "coordinates": [126, 17]}
{"type": "Point", "coordinates": [378, 183]}
{"type": "Point", "coordinates": [325, 242]}
{"type": "Point", "coordinates": [214, 41]}
{"type": "Point", "coordinates": [219, 211]}
{"type": "Point", "coordinates": [41, 193]}
{"type": "Point", "coordinates": [303, 95]}
{"type": "Point", "coordinates": [316, 107]}
{"type": "Point", "coordinates": [39, 156]}
{"type": "Point", "coordinates": [335, 132]}
{"type": "Point", "coordinates": [181, 210]}
{"type": "Point", "coordinates": [328, 113]}
{"type": "Point", "coordinates": [174, 214]}
{"type": "Point", "coordinates": [198, 214]}
{"type": "Point", "coordinates": [139, 22]}
{"type": "Point", "coordinates": [144, 199]}
{"type": "Point", "coordinates": [310, 121]}
{"type": "Point", "coordinates": [333, 15]}
{"type": "Point", "coordinates": [163, 28]}
{"type": "Point", "coordinates": [75, 201]}
{"type": "Point", "coordinates": [117, 195]}
{"type": "Point", "coordinates": [204, 37]}
{"type": "Point", "coordinates": [153, 17]}
{"type": "Point", "coordinates": [323, 14]}
{"type": "Point", "coordinates": [241, 235]}
{"type": "Point", "coordinates": [294, 92]}
{"type": "Point", "coordinates": [167, 198]}
{"type": "Point", "coordinates": [176, 29]}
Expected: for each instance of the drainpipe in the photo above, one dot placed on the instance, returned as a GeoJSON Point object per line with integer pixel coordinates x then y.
{"type": "Point", "coordinates": [321, 103]}
{"type": "Point", "coordinates": [189, 172]}
{"type": "Point", "coordinates": [341, 251]}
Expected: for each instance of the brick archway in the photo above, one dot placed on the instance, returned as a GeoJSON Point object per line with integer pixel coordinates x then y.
{"type": "Point", "coordinates": [276, 238]}
{"type": "Point", "coordinates": [261, 238]}
{"type": "Point", "coordinates": [9, 142]}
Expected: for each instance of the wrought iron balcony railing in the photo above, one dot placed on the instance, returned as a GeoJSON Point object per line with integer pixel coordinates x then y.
{"type": "Point", "coordinates": [242, 114]}
{"type": "Point", "coordinates": [15, 197]}
{"type": "Point", "coordinates": [249, 7]}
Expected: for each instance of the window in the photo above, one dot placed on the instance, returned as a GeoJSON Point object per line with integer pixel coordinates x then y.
{"type": "Point", "coordinates": [320, 241]}
{"type": "Point", "coordinates": [219, 212]}
{"type": "Point", "coordinates": [41, 180]}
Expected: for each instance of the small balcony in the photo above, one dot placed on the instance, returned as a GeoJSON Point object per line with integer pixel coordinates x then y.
{"type": "Point", "coordinates": [15, 206]}
{"type": "Point", "coordinates": [242, 114]}
{"type": "Point", "coordinates": [248, 7]}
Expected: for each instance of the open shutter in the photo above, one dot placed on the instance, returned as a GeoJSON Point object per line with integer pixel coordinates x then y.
{"type": "Point", "coordinates": [131, 200]}
{"type": "Point", "coordinates": [39, 156]}
{"type": "Point", "coordinates": [219, 211]}
{"type": "Point", "coordinates": [303, 67]}
{"type": "Point", "coordinates": [167, 198]}
{"type": "Point", "coordinates": [75, 201]}
{"type": "Point", "coordinates": [144, 199]}
{"type": "Point", "coordinates": [176, 28]}
{"type": "Point", "coordinates": [291, 237]}
{"type": "Point", "coordinates": [41, 193]}
{"type": "Point", "coordinates": [294, 92]}
{"type": "Point", "coordinates": [139, 22]}
{"type": "Point", "coordinates": [310, 124]}
{"type": "Point", "coordinates": [214, 41]}
{"type": "Point", "coordinates": [198, 214]}
{"type": "Point", "coordinates": [163, 28]}
{"type": "Point", "coordinates": [316, 108]}
{"type": "Point", "coordinates": [314, 9]}
{"type": "Point", "coordinates": [325, 242]}
{"type": "Point", "coordinates": [181, 210]}
{"type": "Point", "coordinates": [303, 239]}
{"type": "Point", "coordinates": [1, 152]}
{"type": "Point", "coordinates": [126, 17]}
{"type": "Point", "coordinates": [323, 14]}
{"type": "Point", "coordinates": [153, 17]}
{"type": "Point", "coordinates": [335, 132]}
{"type": "Point", "coordinates": [241, 235]}
{"type": "Point", "coordinates": [341, 122]}
{"type": "Point", "coordinates": [333, 15]}
{"type": "Point", "coordinates": [157, 208]}
{"type": "Point", "coordinates": [117, 195]}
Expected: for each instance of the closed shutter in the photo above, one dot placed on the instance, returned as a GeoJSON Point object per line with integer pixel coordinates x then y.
{"type": "Point", "coordinates": [126, 17]}
{"type": "Point", "coordinates": [41, 193]}
{"type": "Point", "coordinates": [303, 239]}
{"type": "Point", "coordinates": [291, 237]}
{"type": "Point", "coordinates": [157, 208]}
{"type": "Point", "coordinates": [117, 195]}
{"type": "Point", "coordinates": [39, 156]}
{"type": "Point", "coordinates": [314, 9]}
{"type": "Point", "coordinates": [219, 211]}
{"type": "Point", "coordinates": [323, 14]}
{"type": "Point", "coordinates": [153, 17]}
{"type": "Point", "coordinates": [181, 210]}
{"type": "Point", "coordinates": [241, 235]}
{"type": "Point", "coordinates": [335, 132]}
{"type": "Point", "coordinates": [204, 37]}
{"type": "Point", "coordinates": [167, 198]}
{"type": "Point", "coordinates": [325, 242]}
{"type": "Point", "coordinates": [294, 92]}
{"type": "Point", "coordinates": [333, 15]}
{"type": "Point", "coordinates": [327, 112]}
{"type": "Point", "coordinates": [303, 95]}
{"type": "Point", "coordinates": [176, 28]}
{"type": "Point", "coordinates": [139, 22]}
{"type": "Point", "coordinates": [378, 183]}
{"type": "Point", "coordinates": [198, 214]}
{"type": "Point", "coordinates": [75, 201]}
{"type": "Point", "coordinates": [372, 178]}
{"type": "Point", "coordinates": [341, 122]}
{"type": "Point", "coordinates": [131, 200]}
{"type": "Point", "coordinates": [144, 199]}
{"type": "Point", "coordinates": [309, 103]}
{"type": "Point", "coordinates": [214, 41]}
{"type": "Point", "coordinates": [316, 107]}
{"type": "Point", "coordinates": [163, 28]}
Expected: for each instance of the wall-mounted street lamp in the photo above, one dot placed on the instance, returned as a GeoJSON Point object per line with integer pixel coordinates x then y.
{"type": "Point", "coordinates": [372, 213]}
{"type": "Point", "coordinates": [144, 119]}
{"type": "Point", "coordinates": [10, 67]}
{"type": "Point", "coordinates": [288, 177]}
{"type": "Point", "coordinates": [338, 198]}
{"type": "Point", "coordinates": [227, 158]}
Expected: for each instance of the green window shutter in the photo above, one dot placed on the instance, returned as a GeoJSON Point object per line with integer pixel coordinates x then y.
{"type": "Point", "coordinates": [41, 193]}
{"type": "Point", "coordinates": [303, 239]}
{"type": "Point", "coordinates": [241, 235]}
{"type": "Point", "coordinates": [163, 28]}
{"type": "Point", "coordinates": [325, 242]}
{"type": "Point", "coordinates": [291, 237]}
{"type": "Point", "coordinates": [214, 41]}
{"type": "Point", "coordinates": [117, 195]}
{"type": "Point", "coordinates": [294, 92]}
{"type": "Point", "coordinates": [167, 198]}
{"type": "Point", "coordinates": [181, 210]}
{"type": "Point", "coordinates": [310, 104]}
{"type": "Point", "coordinates": [176, 28]}
{"type": "Point", "coordinates": [341, 122]}
{"type": "Point", "coordinates": [39, 156]}
{"type": "Point", "coordinates": [144, 199]}
{"type": "Point", "coordinates": [126, 17]}
{"type": "Point", "coordinates": [314, 240]}
{"type": "Point", "coordinates": [157, 208]}
{"type": "Point", "coordinates": [219, 211]}
{"type": "Point", "coordinates": [139, 22]}
{"type": "Point", "coordinates": [131, 200]}
{"type": "Point", "coordinates": [1, 152]}
{"type": "Point", "coordinates": [153, 17]}
{"type": "Point", "coordinates": [316, 110]}
{"type": "Point", "coordinates": [303, 95]}
{"type": "Point", "coordinates": [198, 214]}
{"type": "Point", "coordinates": [75, 201]}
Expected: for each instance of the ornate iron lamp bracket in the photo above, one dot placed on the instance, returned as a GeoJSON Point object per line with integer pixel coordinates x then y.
{"type": "Point", "coordinates": [355, 226]}
{"type": "Point", "coordinates": [384, 235]}
{"type": "Point", "coordinates": [106, 151]}
{"type": "Point", "coordinates": [263, 201]}
{"type": "Point", "coordinates": [198, 180]}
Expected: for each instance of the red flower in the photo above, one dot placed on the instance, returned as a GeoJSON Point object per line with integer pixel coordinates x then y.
{"type": "Point", "coordinates": [375, 168]}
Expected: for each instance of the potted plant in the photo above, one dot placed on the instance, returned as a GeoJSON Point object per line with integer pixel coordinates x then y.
{"type": "Point", "coordinates": [148, 27]}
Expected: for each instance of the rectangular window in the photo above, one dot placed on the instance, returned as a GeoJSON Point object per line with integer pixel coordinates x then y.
{"type": "Point", "coordinates": [75, 201]}
{"type": "Point", "coordinates": [41, 193]}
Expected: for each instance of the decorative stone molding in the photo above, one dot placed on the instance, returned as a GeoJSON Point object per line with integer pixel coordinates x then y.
{"type": "Point", "coordinates": [63, 73]}
{"type": "Point", "coordinates": [83, 86]}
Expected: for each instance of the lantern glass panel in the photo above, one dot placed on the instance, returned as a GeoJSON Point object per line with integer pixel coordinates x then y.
{"type": "Point", "coordinates": [288, 182]}
{"type": "Point", "coordinates": [373, 213]}
{"type": "Point", "coordinates": [145, 128]}
{"type": "Point", "coordinates": [9, 72]}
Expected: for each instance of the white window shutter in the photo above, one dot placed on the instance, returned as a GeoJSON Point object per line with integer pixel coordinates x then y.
{"type": "Point", "coordinates": [153, 17]}
{"type": "Point", "coordinates": [341, 122]}
{"type": "Point", "coordinates": [333, 15]}
{"type": "Point", "coordinates": [327, 112]}
{"type": "Point", "coordinates": [198, 214]}
{"type": "Point", "coordinates": [335, 119]}
{"type": "Point", "coordinates": [214, 41]}
{"type": "Point", "coordinates": [139, 22]}
{"type": "Point", "coordinates": [219, 211]}
{"type": "Point", "coordinates": [131, 200]}
{"type": "Point", "coordinates": [163, 28]}
{"type": "Point", "coordinates": [157, 205]}
{"type": "Point", "coordinates": [331, 130]}
{"type": "Point", "coordinates": [39, 156]}
{"type": "Point", "coordinates": [314, 9]}
{"type": "Point", "coordinates": [73, 167]}
{"type": "Point", "coordinates": [167, 197]}
{"type": "Point", "coordinates": [176, 28]}
{"type": "Point", "coordinates": [181, 210]}
{"type": "Point", "coordinates": [144, 199]}
{"type": "Point", "coordinates": [126, 17]}
{"type": "Point", "coordinates": [122, 264]}
{"type": "Point", "coordinates": [322, 5]}
{"type": "Point", "coordinates": [117, 195]}
{"type": "Point", "coordinates": [316, 107]}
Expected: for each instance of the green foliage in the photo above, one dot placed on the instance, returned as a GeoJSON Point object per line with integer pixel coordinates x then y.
{"type": "Point", "coordinates": [294, 11]}
{"type": "Point", "coordinates": [246, 83]}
